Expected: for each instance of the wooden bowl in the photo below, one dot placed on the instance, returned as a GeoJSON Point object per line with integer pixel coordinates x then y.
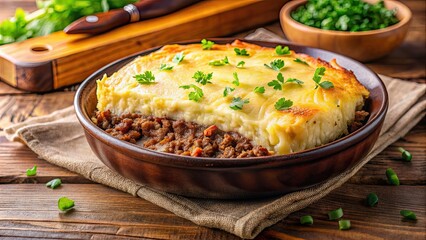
{"type": "Point", "coordinates": [362, 46]}
{"type": "Point", "coordinates": [234, 178]}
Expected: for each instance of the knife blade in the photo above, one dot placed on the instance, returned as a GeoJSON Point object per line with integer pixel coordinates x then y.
{"type": "Point", "coordinates": [145, 9]}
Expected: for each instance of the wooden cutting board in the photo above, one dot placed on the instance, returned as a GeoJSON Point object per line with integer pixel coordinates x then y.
{"type": "Point", "coordinates": [58, 60]}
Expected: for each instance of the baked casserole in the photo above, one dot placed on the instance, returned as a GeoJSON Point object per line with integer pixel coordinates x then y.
{"type": "Point", "coordinates": [232, 100]}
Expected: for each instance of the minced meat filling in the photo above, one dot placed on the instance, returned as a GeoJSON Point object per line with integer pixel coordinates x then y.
{"type": "Point", "coordinates": [177, 136]}
{"type": "Point", "coordinates": [186, 138]}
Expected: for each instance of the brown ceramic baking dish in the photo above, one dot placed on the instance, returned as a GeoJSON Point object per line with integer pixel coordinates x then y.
{"type": "Point", "coordinates": [235, 178]}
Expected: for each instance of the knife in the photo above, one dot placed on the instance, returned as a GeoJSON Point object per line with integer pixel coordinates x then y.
{"type": "Point", "coordinates": [145, 9]}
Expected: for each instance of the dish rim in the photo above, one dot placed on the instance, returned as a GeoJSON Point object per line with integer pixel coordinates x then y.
{"type": "Point", "coordinates": [300, 157]}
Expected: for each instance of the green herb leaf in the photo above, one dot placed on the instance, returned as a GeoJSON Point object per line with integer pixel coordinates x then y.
{"type": "Point", "coordinates": [407, 214]}
{"type": "Point", "coordinates": [319, 73]}
{"type": "Point", "coordinates": [165, 67]}
{"type": "Point", "coordinates": [206, 44]}
{"type": "Point", "coordinates": [298, 60]}
{"type": "Point", "coordinates": [241, 64]}
{"type": "Point", "coordinates": [54, 183]}
{"type": "Point", "coordinates": [219, 62]}
{"type": "Point", "coordinates": [202, 78]}
{"type": "Point", "coordinates": [178, 57]}
{"type": "Point", "coordinates": [406, 155]}
{"type": "Point", "coordinates": [294, 80]}
{"type": "Point", "coordinates": [372, 199]}
{"type": "Point", "coordinates": [335, 214]}
{"type": "Point", "coordinates": [236, 81]}
{"type": "Point", "coordinates": [306, 220]}
{"type": "Point", "coordinates": [392, 177]}
{"type": "Point", "coordinates": [326, 85]}
{"type": "Point", "coordinates": [195, 95]}
{"type": "Point", "coordinates": [259, 90]}
{"type": "Point", "coordinates": [241, 52]}
{"type": "Point", "coordinates": [283, 104]}
{"type": "Point", "coordinates": [344, 224]}
{"type": "Point", "coordinates": [277, 83]}
{"type": "Point", "coordinates": [280, 50]}
{"type": "Point", "coordinates": [276, 65]}
{"type": "Point", "coordinates": [227, 91]}
{"type": "Point", "coordinates": [32, 171]}
{"type": "Point", "coordinates": [65, 203]}
{"type": "Point", "coordinates": [146, 78]}
{"type": "Point", "coordinates": [237, 103]}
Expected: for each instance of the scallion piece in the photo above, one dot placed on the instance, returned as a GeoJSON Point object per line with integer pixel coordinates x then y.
{"type": "Point", "coordinates": [406, 155]}
{"type": "Point", "coordinates": [65, 203]}
{"type": "Point", "coordinates": [306, 220]}
{"type": "Point", "coordinates": [32, 171]}
{"type": "Point", "coordinates": [54, 183]}
{"type": "Point", "coordinates": [372, 199]}
{"type": "Point", "coordinates": [344, 224]}
{"type": "Point", "coordinates": [408, 214]}
{"type": "Point", "coordinates": [335, 214]}
{"type": "Point", "coordinates": [392, 177]}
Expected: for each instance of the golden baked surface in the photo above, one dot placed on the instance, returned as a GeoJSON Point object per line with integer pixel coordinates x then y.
{"type": "Point", "coordinates": [317, 115]}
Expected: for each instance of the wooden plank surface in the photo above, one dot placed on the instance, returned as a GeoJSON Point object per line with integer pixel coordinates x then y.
{"type": "Point", "coordinates": [28, 209]}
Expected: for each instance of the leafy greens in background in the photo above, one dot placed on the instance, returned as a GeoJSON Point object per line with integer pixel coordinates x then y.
{"type": "Point", "coordinates": [52, 16]}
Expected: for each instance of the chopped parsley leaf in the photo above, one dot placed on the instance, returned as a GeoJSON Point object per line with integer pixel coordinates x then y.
{"type": "Point", "coordinates": [54, 183]}
{"type": "Point", "coordinates": [206, 44]}
{"type": "Point", "coordinates": [238, 103]}
{"type": "Point", "coordinates": [165, 67]}
{"type": "Point", "coordinates": [65, 203]}
{"type": "Point", "coordinates": [283, 104]}
{"type": "Point", "coordinates": [277, 83]}
{"type": "Point", "coordinates": [298, 60]}
{"type": "Point", "coordinates": [319, 73]}
{"type": "Point", "coordinates": [146, 78]}
{"type": "Point", "coordinates": [227, 91]}
{"type": "Point", "coordinates": [32, 171]}
{"type": "Point", "coordinates": [219, 62]}
{"type": "Point", "coordinates": [294, 80]}
{"type": "Point", "coordinates": [236, 81]}
{"type": "Point", "coordinates": [195, 95]}
{"type": "Point", "coordinates": [259, 89]}
{"type": "Point", "coordinates": [202, 78]}
{"type": "Point", "coordinates": [276, 65]}
{"type": "Point", "coordinates": [241, 64]}
{"type": "Point", "coordinates": [178, 57]}
{"type": "Point", "coordinates": [280, 50]}
{"type": "Point", "coordinates": [241, 52]}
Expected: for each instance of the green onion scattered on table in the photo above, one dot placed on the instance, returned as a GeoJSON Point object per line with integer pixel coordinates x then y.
{"type": "Point", "coordinates": [406, 155]}
{"type": "Point", "coordinates": [408, 214]}
{"type": "Point", "coordinates": [65, 203]}
{"type": "Point", "coordinates": [344, 15]}
{"type": "Point", "coordinates": [54, 183]}
{"type": "Point", "coordinates": [32, 171]}
{"type": "Point", "coordinates": [335, 214]}
{"type": "Point", "coordinates": [306, 220]}
{"type": "Point", "coordinates": [392, 177]}
{"type": "Point", "coordinates": [344, 224]}
{"type": "Point", "coordinates": [372, 199]}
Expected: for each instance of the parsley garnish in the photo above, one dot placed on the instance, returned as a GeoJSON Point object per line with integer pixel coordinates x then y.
{"type": "Point", "coordinates": [202, 78]}
{"type": "Point", "coordinates": [283, 104]}
{"type": "Point", "coordinates": [206, 44]}
{"type": "Point", "coordinates": [219, 62]}
{"type": "Point", "coordinates": [298, 60]}
{"type": "Point", "coordinates": [178, 57]}
{"type": "Point", "coordinates": [196, 95]}
{"type": "Point", "coordinates": [294, 80]}
{"type": "Point", "coordinates": [241, 64]}
{"type": "Point", "coordinates": [227, 91]}
{"type": "Point", "coordinates": [276, 65]}
{"type": "Point", "coordinates": [277, 83]}
{"type": "Point", "coordinates": [236, 81]}
{"type": "Point", "coordinates": [165, 67]}
{"type": "Point", "coordinates": [259, 89]}
{"type": "Point", "coordinates": [319, 73]}
{"type": "Point", "coordinates": [65, 203]}
{"type": "Point", "coordinates": [32, 171]}
{"type": "Point", "coordinates": [241, 52]}
{"type": "Point", "coordinates": [237, 103]}
{"type": "Point", "coordinates": [54, 183]}
{"type": "Point", "coordinates": [146, 78]}
{"type": "Point", "coordinates": [280, 50]}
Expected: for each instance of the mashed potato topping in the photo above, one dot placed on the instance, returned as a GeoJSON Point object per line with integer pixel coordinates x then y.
{"type": "Point", "coordinates": [317, 115]}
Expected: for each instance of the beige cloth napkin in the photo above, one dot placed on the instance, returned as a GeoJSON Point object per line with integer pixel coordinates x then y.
{"type": "Point", "coordinates": [58, 138]}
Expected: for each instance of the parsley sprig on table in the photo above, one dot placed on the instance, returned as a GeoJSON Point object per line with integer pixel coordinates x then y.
{"type": "Point", "coordinates": [202, 78]}
{"type": "Point", "coordinates": [195, 95]}
{"type": "Point", "coordinates": [206, 44]}
{"type": "Point", "coordinates": [32, 171]}
{"type": "Point", "coordinates": [319, 73]}
{"type": "Point", "coordinates": [238, 103]}
{"type": "Point", "coordinates": [276, 65]}
{"type": "Point", "coordinates": [145, 78]}
{"type": "Point", "coordinates": [65, 204]}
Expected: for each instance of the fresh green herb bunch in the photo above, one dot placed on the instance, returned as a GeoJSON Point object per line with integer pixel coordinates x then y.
{"type": "Point", "coordinates": [345, 15]}
{"type": "Point", "coordinates": [52, 16]}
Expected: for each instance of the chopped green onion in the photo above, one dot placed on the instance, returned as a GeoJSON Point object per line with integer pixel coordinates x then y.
{"type": "Point", "coordinates": [406, 155]}
{"type": "Point", "coordinates": [335, 214]}
{"type": "Point", "coordinates": [65, 203]}
{"type": "Point", "coordinates": [54, 183]}
{"type": "Point", "coordinates": [392, 177]}
{"type": "Point", "coordinates": [408, 214]}
{"type": "Point", "coordinates": [306, 220]}
{"type": "Point", "coordinates": [32, 171]}
{"type": "Point", "coordinates": [372, 199]}
{"type": "Point", "coordinates": [344, 224]}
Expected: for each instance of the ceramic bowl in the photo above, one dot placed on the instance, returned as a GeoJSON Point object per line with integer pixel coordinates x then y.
{"type": "Point", "coordinates": [362, 46]}
{"type": "Point", "coordinates": [234, 178]}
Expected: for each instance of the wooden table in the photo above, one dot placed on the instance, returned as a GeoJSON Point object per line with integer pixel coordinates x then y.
{"type": "Point", "coordinates": [28, 209]}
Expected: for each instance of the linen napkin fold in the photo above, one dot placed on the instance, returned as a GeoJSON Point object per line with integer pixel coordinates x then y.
{"type": "Point", "coordinates": [59, 139]}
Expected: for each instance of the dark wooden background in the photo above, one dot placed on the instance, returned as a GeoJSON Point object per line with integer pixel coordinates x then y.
{"type": "Point", "coordinates": [28, 209]}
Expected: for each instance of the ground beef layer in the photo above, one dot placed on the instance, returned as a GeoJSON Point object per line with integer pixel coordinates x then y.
{"type": "Point", "coordinates": [186, 138]}
{"type": "Point", "coordinates": [177, 136]}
